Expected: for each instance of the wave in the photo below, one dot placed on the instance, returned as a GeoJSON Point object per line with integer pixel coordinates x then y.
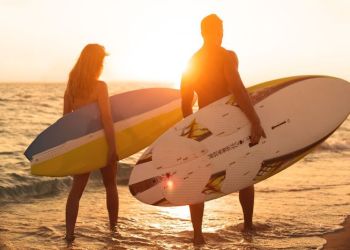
{"type": "Point", "coordinates": [34, 187]}
{"type": "Point", "coordinates": [334, 146]}
{"type": "Point", "coordinates": [124, 171]}
{"type": "Point", "coordinates": [7, 153]}
{"type": "Point", "coordinates": [339, 141]}
{"type": "Point", "coordinates": [303, 188]}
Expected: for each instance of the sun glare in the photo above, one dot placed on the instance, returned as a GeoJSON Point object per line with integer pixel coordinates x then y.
{"type": "Point", "coordinates": [159, 54]}
{"type": "Point", "coordinates": [181, 212]}
{"type": "Point", "coordinates": [156, 45]}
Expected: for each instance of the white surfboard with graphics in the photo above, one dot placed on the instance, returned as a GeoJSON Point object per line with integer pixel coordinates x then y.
{"type": "Point", "coordinates": [208, 154]}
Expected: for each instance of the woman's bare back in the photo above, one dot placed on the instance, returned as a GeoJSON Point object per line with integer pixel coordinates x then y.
{"type": "Point", "coordinates": [78, 101]}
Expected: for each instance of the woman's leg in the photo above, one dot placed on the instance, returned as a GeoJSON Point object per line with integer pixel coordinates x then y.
{"type": "Point", "coordinates": [72, 206]}
{"type": "Point", "coordinates": [109, 180]}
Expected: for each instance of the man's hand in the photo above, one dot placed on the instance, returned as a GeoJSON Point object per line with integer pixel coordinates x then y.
{"type": "Point", "coordinates": [256, 133]}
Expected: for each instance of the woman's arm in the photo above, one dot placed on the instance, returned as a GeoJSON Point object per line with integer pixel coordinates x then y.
{"type": "Point", "coordinates": [107, 122]}
{"type": "Point", "coordinates": [67, 107]}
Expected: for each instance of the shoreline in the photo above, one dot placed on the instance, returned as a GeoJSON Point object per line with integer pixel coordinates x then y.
{"type": "Point", "coordinates": [339, 239]}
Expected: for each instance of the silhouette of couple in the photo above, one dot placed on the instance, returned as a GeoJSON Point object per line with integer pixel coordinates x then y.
{"type": "Point", "coordinates": [212, 74]}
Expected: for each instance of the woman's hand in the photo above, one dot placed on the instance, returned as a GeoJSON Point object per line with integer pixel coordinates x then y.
{"type": "Point", "coordinates": [112, 158]}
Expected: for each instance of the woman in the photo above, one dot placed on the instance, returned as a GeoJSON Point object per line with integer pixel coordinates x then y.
{"type": "Point", "coordinates": [83, 88]}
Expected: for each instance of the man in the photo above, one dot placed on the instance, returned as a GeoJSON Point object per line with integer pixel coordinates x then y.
{"type": "Point", "coordinates": [213, 73]}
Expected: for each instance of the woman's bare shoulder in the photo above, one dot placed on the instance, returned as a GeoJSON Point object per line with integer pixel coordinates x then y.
{"type": "Point", "coordinates": [101, 85]}
{"type": "Point", "coordinates": [101, 89]}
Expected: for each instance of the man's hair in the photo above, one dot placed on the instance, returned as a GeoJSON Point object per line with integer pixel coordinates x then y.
{"type": "Point", "coordinates": [210, 24]}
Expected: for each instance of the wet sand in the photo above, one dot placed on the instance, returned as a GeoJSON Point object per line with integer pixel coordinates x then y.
{"type": "Point", "coordinates": [340, 239]}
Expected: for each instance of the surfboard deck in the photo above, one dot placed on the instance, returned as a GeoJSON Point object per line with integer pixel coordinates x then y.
{"type": "Point", "coordinates": [76, 143]}
{"type": "Point", "coordinates": [208, 154]}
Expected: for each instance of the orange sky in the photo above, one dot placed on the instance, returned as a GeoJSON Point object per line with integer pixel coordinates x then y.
{"type": "Point", "coordinates": [152, 40]}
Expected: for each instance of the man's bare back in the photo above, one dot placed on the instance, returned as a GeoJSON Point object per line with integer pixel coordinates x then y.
{"type": "Point", "coordinates": [205, 74]}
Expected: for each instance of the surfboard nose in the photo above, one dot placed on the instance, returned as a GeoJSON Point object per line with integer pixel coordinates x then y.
{"type": "Point", "coordinates": [149, 191]}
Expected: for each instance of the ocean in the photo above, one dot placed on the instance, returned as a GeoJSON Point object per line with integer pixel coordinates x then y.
{"type": "Point", "coordinates": [292, 209]}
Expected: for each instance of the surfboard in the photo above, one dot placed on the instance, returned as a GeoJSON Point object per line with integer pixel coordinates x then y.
{"type": "Point", "coordinates": [208, 154]}
{"type": "Point", "coordinates": [76, 143]}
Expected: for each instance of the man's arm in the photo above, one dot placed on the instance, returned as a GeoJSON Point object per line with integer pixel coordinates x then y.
{"type": "Point", "coordinates": [236, 86]}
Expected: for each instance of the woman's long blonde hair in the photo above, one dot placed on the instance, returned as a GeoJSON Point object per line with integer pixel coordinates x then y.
{"type": "Point", "coordinates": [85, 73]}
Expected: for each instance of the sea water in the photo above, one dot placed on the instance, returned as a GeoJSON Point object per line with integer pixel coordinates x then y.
{"type": "Point", "coordinates": [292, 209]}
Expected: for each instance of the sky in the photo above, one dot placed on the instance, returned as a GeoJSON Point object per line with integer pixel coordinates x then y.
{"type": "Point", "coordinates": [152, 40]}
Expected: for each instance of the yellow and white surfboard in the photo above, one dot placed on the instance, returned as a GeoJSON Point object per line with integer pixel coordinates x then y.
{"type": "Point", "coordinates": [76, 143]}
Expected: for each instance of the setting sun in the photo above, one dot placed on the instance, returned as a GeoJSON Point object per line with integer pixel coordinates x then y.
{"type": "Point", "coordinates": [155, 54]}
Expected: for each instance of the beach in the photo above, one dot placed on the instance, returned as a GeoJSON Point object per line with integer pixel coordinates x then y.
{"type": "Point", "coordinates": [339, 239]}
{"type": "Point", "coordinates": [307, 206]}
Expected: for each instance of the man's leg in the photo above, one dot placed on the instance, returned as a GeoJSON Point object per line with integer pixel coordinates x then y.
{"type": "Point", "coordinates": [246, 198]}
{"type": "Point", "coordinates": [197, 211]}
